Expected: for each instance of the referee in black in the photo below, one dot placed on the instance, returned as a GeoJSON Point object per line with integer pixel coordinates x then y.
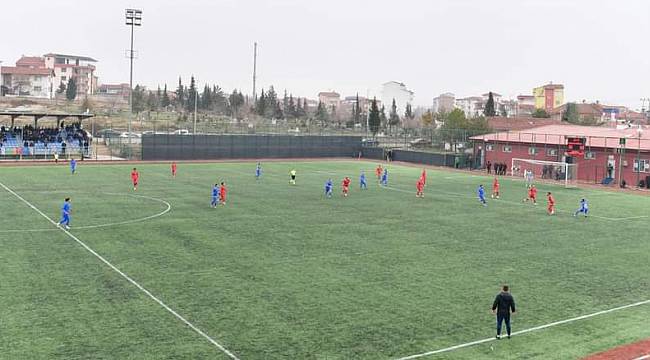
{"type": "Point", "coordinates": [503, 304]}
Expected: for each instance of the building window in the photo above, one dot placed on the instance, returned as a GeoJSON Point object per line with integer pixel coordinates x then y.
{"type": "Point", "coordinates": [551, 152]}
{"type": "Point", "coordinates": [64, 69]}
{"type": "Point", "coordinates": [645, 165]}
{"type": "Point", "coordinates": [590, 155]}
{"type": "Point", "coordinates": [489, 147]}
{"type": "Point", "coordinates": [37, 88]}
{"type": "Point", "coordinates": [507, 148]}
{"type": "Point", "coordinates": [532, 150]}
{"type": "Point", "coordinates": [63, 78]}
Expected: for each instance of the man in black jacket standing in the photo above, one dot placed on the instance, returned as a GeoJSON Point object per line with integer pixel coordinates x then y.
{"type": "Point", "coordinates": [503, 304]}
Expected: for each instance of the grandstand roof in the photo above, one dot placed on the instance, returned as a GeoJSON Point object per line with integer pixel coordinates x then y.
{"type": "Point", "coordinates": [597, 136]}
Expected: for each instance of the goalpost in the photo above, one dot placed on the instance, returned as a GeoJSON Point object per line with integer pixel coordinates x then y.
{"type": "Point", "coordinates": [550, 171]}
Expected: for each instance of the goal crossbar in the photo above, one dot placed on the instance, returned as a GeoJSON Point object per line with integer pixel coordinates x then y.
{"type": "Point", "coordinates": [555, 170]}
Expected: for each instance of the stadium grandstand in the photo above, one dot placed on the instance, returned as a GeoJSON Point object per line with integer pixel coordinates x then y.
{"type": "Point", "coordinates": [34, 141]}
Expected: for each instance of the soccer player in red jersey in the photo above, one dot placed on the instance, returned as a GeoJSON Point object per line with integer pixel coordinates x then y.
{"type": "Point", "coordinates": [222, 193]}
{"type": "Point", "coordinates": [378, 172]}
{"type": "Point", "coordinates": [495, 188]}
{"type": "Point", "coordinates": [532, 195]}
{"type": "Point", "coordinates": [135, 176]}
{"type": "Point", "coordinates": [174, 169]}
{"type": "Point", "coordinates": [423, 177]}
{"type": "Point", "coordinates": [419, 187]}
{"type": "Point", "coordinates": [346, 186]}
{"type": "Point", "coordinates": [551, 203]}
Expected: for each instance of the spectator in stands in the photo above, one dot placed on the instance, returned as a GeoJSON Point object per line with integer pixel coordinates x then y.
{"type": "Point", "coordinates": [488, 166]}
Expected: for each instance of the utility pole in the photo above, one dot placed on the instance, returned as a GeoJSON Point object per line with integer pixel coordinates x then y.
{"type": "Point", "coordinates": [254, 71]}
{"type": "Point", "coordinates": [196, 102]}
{"type": "Point", "coordinates": [133, 19]}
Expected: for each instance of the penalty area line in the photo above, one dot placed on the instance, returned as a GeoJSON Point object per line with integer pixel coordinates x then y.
{"type": "Point", "coordinates": [521, 332]}
{"type": "Point", "coordinates": [126, 277]}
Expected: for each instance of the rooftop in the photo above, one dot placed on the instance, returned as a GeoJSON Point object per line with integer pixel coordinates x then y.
{"type": "Point", "coordinates": [15, 70]}
{"type": "Point", "coordinates": [82, 58]}
{"type": "Point", "coordinates": [597, 136]}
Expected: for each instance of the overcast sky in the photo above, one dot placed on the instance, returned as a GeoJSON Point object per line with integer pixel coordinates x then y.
{"type": "Point", "coordinates": [600, 50]}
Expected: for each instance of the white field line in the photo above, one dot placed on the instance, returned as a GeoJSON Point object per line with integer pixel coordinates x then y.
{"type": "Point", "coordinates": [536, 328]}
{"type": "Point", "coordinates": [644, 357]}
{"type": "Point", "coordinates": [127, 277]}
{"type": "Point", "coordinates": [125, 222]}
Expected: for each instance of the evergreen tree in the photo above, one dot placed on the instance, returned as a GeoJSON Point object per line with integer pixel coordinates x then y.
{"type": "Point", "coordinates": [219, 100]}
{"type": "Point", "coordinates": [236, 101]}
{"type": "Point", "coordinates": [71, 90]}
{"type": "Point", "coordinates": [138, 98]}
{"type": "Point", "coordinates": [408, 113]}
{"type": "Point", "coordinates": [489, 106]}
{"type": "Point", "coordinates": [180, 94]}
{"type": "Point", "coordinates": [290, 110]}
{"type": "Point", "coordinates": [152, 102]}
{"type": "Point", "coordinates": [382, 116]}
{"type": "Point", "coordinates": [393, 118]}
{"type": "Point", "coordinates": [321, 113]}
{"type": "Point", "coordinates": [206, 98]}
{"type": "Point", "coordinates": [278, 113]}
{"type": "Point", "coordinates": [300, 110]}
{"type": "Point", "coordinates": [260, 106]}
{"type": "Point", "coordinates": [305, 107]}
{"type": "Point", "coordinates": [271, 100]}
{"type": "Point", "coordinates": [164, 101]}
{"type": "Point", "coordinates": [374, 118]}
{"type": "Point", "coordinates": [356, 114]}
{"type": "Point", "coordinates": [191, 95]}
{"type": "Point", "coordinates": [570, 114]}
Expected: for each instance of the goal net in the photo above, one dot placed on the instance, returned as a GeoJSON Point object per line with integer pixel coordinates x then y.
{"type": "Point", "coordinates": [532, 171]}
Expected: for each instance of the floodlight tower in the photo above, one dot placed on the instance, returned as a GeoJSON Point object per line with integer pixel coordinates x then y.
{"type": "Point", "coordinates": [133, 19]}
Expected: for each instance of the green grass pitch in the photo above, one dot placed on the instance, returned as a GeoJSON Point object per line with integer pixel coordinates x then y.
{"type": "Point", "coordinates": [281, 272]}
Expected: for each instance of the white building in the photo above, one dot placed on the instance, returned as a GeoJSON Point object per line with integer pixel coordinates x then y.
{"type": "Point", "coordinates": [472, 106]}
{"type": "Point", "coordinates": [398, 91]}
{"type": "Point", "coordinates": [80, 68]}
{"type": "Point", "coordinates": [28, 78]}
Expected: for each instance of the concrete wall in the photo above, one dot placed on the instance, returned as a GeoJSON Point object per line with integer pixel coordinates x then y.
{"type": "Point", "coordinates": [208, 147]}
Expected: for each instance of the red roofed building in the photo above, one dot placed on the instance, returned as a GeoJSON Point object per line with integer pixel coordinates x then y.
{"type": "Point", "coordinates": [604, 148]}
{"type": "Point", "coordinates": [25, 80]}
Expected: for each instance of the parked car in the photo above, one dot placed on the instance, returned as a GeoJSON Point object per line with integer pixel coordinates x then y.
{"type": "Point", "coordinates": [182, 132]}
{"type": "Point", "coordinates": [420, 142]}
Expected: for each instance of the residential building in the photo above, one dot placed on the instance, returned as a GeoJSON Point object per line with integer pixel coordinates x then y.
{"type": "Point", "coordinates": [525, 105]}
{"type": "Point", "coordinates": [444, 102]}
{"type": "Point", "coordinates": [472, 106]}
{"type": "Point", "coordinates": [399, 92]}
{"type": "Point", "coordinates": [80, 68]}
{"type": "Point", "coordinates": [348, 103]}
{"type": "Point", "coordinates": [612, 114]}
{"type": "Point", "coordinates": [329, 99]}
{"type": "Point", "coordinates": [28, 78]}
{"type": "Point", "coordinates": [41, 76]}
{"type": "Point", "coordinates": [548, 97]}
{"type": "Point", "coordinates": [603, 149]}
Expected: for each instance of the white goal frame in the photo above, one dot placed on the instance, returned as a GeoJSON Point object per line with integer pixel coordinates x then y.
{"type": "Point", "coordinates": [569, 181]}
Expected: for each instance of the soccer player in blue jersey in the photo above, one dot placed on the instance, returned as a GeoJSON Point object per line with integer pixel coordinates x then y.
{"type": "Point", "coordinates": [584, 208]}
{"type": "Point", "coordinates": [73, 165]}
{"type": "Point", "coordinates": [328, 188]}
{"type": "Point", "coordinates": [363, 184]}
{"type": "Point", "coordinates": [481, 194]}
{"type": "Point", "coordinates": [258, 171]}
{"type": "Point", "coordinates": [384, 177]}
{"type": "Point", "coordinates": [215, 196]}
{"type": "Point", "coordinates": [65, 214]}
